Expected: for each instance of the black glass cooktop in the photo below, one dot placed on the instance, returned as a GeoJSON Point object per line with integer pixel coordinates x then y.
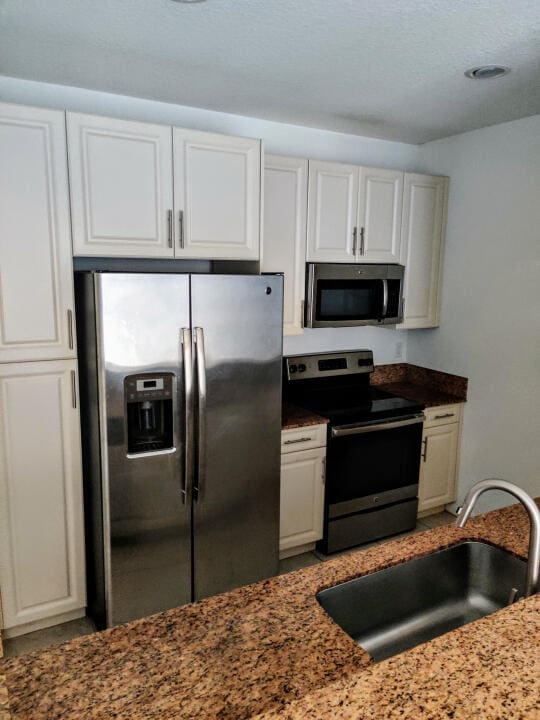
{"type": "Point", "coordinates": [351, 404]}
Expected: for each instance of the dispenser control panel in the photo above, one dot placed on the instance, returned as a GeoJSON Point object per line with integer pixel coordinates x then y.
{"type": "Point", "coordinates": [149, 413]}
{"type": "Point", "coordinates": [148, 387]}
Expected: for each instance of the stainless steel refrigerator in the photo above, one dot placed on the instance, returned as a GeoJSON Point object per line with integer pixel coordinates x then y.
{"type": "Point", "coordinates": [180, 398]}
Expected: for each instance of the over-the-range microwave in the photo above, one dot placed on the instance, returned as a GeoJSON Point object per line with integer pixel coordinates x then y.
{"type": "Point", "coordinates": [342, 295]}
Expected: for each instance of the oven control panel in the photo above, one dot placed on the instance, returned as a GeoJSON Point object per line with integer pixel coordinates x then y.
{"type": "Point", "coordinates": [308, 367]}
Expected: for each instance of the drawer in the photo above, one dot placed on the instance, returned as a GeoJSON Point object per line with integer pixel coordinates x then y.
{"type": "Point", "coordinates": [303, 438]}
{"type": "Point", "coordinates": [442, 415]}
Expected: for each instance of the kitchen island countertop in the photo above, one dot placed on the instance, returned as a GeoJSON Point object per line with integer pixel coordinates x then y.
{"type": "Point", "coordinates": [269, 650]}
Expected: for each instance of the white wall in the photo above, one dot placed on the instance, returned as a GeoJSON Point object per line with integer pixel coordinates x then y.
{"type": "Point", "coordinates": [389, 346]}
{"type": "Point", "coordinates": [490, 315]}
{"type": "Point", "coordinates": [278, 138]}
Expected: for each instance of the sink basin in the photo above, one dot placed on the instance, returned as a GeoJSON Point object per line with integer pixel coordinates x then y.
{"type": "Point", "coordinates": [394, 609]}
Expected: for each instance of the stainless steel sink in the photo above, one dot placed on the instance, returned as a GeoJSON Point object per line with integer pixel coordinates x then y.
{"type": "Point", "coordinates": [392, 610]}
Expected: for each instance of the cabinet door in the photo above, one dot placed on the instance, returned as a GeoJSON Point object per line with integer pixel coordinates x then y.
{"type": "Point", "coordinates": [36, 277]}
{"type": "Point", "coordinates": [302, 496]}
{"type": "Point", "coordinates": [284, 236]}
{"type": "Point", "coordinates": [41, 516]}
{"type": "Point", "coordinates": [437, 484]}
{"type": "Point", "coordinates": [424, 223]}
{"type": "Point", "coordinates": [379, 215]}
{"type": "Point", "coordinates": [120, 175]}
{"type": "Point", "coordinates": [332, 210]}
{"type": "Point", "coordinates": [217, 195]}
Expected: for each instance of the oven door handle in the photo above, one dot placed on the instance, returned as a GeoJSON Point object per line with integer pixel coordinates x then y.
{"type": "Point", "coordinates": [341, 430]}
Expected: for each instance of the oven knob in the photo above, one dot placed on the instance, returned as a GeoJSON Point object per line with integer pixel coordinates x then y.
{"type": "Point", "coordinates": [302, 368]}
{"type": "Point", "coordinates": [292, 369]}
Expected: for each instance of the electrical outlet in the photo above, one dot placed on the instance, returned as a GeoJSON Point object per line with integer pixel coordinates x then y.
{"type": "Point", "coordinates": [399, 350]}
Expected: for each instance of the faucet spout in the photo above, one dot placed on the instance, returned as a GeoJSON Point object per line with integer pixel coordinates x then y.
{"type": "Point", "coordinates": [464, 512]}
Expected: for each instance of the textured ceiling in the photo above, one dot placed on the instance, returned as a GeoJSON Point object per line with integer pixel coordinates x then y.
{"type": "Point", "coordinates": [383, 68]}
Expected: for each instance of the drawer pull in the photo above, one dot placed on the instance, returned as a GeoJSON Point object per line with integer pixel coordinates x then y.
{"type": "Point", "coordinates": [444, 415]}
{"type": "Point", "coordinates": [299, 440]}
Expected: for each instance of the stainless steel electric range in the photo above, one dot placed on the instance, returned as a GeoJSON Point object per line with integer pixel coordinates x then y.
{"type": "Point", "coordinates": [373, 446]}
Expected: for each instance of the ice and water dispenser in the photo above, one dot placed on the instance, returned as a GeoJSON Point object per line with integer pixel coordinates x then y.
{"type": "Point", "coordinates": [149, 412]}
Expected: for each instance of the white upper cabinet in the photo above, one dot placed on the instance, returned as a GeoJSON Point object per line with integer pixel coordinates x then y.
{"type": "Point", "coordinates": [379, 215]}
{"type": "Point", "coordinates": [424, 222]}
{"type": "Point", "coordinates": [217, 195]}
{"type": "Point", "coordinates": [284, 236]}
{"type": "Point", "coordinates": [42, 564]}
{"type": "Point", "coordinates": [36, 281]}
{"type": "Point", "coordinates": [332, 210]}
{"type": "Point", "coordinates": [354, 213]}
{"type": "Point", "coordinates": [120, 175]}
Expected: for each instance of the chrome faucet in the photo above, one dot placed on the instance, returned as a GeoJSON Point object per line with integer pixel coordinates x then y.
{"type": "Point", "coordinates": [464, 512]}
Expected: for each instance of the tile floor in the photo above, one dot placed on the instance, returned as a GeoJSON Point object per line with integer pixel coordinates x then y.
{"type": "Point", "coordinates": [60, 633]}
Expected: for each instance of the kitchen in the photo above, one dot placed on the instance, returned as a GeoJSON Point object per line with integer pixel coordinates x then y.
{"type": "Point", "coordinates": [99, 182]}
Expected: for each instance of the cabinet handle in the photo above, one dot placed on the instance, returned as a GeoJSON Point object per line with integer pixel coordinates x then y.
{"type": "Point", "coordinates": [354, 238]}
{"type": "Point", "coordinates": [169, 228]}
{"type": "Point", "coordinates": [299, 440]}
{"type": "Point", "coordinates": [424, 453]}
{"type": "Point", "coordinates": [362, 238]}
{"type": "Point", "coordinates": [181, 229]}
{"type": "Point", "coordinates": [73, 389]}
{"type": "Point", "coordinates": [70, 328]}
{"type": "Point", "coordinates": [445, 415]}
{"type": "Point", "coordinates": [302, 314]}
{"type": "Point", "coordinates": [323, 470]}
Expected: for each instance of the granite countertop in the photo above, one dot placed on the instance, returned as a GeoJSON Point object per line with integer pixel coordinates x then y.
{"type": "Point", "coordinates": [4, 704]}
{"type": "Point", "coordinates": [269, 650]}
{"type": "Point", "coordinates": [297, 417]}
{"type": "Point", "coordinates": [428, 396]}
{"type": "Point", "coordinates": [423, 385]}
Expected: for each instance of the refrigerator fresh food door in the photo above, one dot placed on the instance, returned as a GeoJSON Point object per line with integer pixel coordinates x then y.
{"type": "Point", "coordinates": [143, 368]}
{"type": "Point", "coordinates": [237, 329]}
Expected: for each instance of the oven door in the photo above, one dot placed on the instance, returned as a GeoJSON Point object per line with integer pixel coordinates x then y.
{"type": "Point", "coordinates": [346, 295]}
{"type": "Point", "coordinates": [372, 465]}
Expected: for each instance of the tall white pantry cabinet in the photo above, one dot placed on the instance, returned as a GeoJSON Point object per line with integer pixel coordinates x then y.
{"type": "Point", "coordinates": [41, 507]}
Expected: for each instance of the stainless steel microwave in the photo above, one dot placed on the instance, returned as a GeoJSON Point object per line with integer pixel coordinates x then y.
{"type": "Point", "coordinates": [362, 294]}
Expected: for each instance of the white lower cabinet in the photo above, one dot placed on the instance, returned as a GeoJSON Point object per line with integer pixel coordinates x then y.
{"type": "Point", "coordinates": [42, 564]}
{"type": "Point", "coordinates": [439, 462]}
{"type": "Point", "coordinates": [302, 490]}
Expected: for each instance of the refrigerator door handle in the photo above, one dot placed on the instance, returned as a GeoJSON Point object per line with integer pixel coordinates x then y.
{"type": "Point", "coordinates": [201, 419]}
{"type": "Point", "coordinates": [187, 361]}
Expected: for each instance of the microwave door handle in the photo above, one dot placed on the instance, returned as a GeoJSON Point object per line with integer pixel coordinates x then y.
{"type": "Point", "coordinates": [385, 298]}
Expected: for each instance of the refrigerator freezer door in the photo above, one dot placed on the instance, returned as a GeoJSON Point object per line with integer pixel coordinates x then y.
{"type": "Point", "coordinates": [147, 520]}
{"type": "Point", "coordinates": [236, 491]}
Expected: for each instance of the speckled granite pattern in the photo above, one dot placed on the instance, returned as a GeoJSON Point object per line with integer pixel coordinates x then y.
{"type": "Point", "coordinates": [296, 417]}
{"type": "Point", "coordinates": [486, 671]}
{"type": "Point", "coordinates": [258, 648]}
{"type": "Point", "coordinates": [4, 703]}
{"type": "Point", "coordinates": [430, 387]}
{"type": "Point", "coordinates": [424, 394]}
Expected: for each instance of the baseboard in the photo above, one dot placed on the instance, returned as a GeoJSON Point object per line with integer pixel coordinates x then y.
{"type": "Point", "coordinates": [42, 624]}
{"type": "Point", "coordinates": [431, 511]}
{"type": "Point", "coordinates": [290, 552]}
